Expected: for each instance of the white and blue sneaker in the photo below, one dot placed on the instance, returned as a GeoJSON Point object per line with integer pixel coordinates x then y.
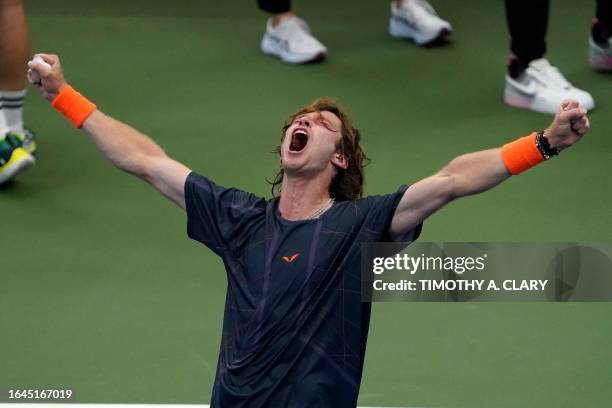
{"type": "Point", "coordinates": [600, 55]}
{"type": "Point", "coordinates": [292, 42]}
{"type": "Point", "coordinates": [418, 21]}
{"type": "Point", "coordinates": [542, 88]}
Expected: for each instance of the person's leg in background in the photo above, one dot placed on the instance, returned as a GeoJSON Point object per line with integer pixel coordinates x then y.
{"type": "Point", "coordinates": [600, 43]}
{"type": "Point", "coordinates": [287, 36]}
{"type": "Point", "coordinates": [531, 81]}
{"type": "Point", "coordinates": [527, 24]}
{"type": "Point", "coordinates": [16, 143]}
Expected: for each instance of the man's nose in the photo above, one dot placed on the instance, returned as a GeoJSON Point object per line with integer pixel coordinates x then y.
{"type": "Point", "coordinates": [303, 122]}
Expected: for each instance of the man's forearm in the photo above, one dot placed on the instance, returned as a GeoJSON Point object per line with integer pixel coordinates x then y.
{"type": "Point", "coordinates": [468, 174]}
{"type": "Point", "coordinates": [474, 173]}
{"type": "Point", "coordinates": [477, 172]}
{"type": "Point", "coordinates": [124, 146]}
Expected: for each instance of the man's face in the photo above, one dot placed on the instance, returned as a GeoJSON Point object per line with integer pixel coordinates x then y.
{"type": "Point", "coordinates": [309, 145]}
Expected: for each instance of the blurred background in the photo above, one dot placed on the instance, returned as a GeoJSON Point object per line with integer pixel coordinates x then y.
{"type": "Point", "coordinates": [101, 290]}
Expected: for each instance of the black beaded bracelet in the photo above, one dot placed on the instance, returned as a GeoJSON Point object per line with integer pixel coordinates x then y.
{"type": "Point", "coordinates": [544, 147]}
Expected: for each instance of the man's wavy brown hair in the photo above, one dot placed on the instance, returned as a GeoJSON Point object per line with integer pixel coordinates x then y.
{"type": "Point", "coordinates": [346, 184]}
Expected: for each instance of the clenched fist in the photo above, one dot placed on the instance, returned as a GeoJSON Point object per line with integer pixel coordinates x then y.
{"type": "Point", "coordinates": [568, 127]}
{"type": "Point", "coordinates": [46, 75]}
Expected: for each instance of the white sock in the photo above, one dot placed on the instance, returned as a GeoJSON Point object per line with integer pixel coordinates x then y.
{"type": "Point", "coordinates": [3, 126]}
{"type": "Point", "coordinates": [12, 110]}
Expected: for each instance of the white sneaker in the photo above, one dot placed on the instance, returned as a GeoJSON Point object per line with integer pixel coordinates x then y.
{"type": "Point", "coordinates": [292, 42]}
{"type": "Point", "coordinates": [600, 56]}
{"type": "Point", "coordinates": [418, 21]}
{"type": "Point", "coordinates": [542, 88]}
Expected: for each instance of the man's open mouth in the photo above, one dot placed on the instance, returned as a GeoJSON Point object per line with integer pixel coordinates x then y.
{"type": "Point", "coordinates": [299, 140]}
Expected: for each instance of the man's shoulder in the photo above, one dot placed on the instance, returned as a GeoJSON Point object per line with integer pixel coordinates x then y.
{"type": "Point", "coordinates": [376, 199]}
{"type": "Point", "coordinates": [375, 209]}
{"type": "Point", "coordinates": [204, 188]}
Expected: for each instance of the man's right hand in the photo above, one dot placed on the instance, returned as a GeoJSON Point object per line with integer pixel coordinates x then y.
{"type": "Point", "coordinates": [51, 78]}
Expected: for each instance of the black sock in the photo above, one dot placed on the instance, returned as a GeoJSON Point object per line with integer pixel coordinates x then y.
{"type": "Point", "coordinates": [600, 33]}
{"type": "Point", "coordinates": [516, 67]}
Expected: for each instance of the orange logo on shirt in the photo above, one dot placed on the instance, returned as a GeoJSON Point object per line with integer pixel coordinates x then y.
{"type": "Point", "coordinates": [291, 258]}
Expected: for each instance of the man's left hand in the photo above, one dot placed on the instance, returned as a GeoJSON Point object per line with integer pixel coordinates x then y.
{"type": "Point", "coordinates": [568, 127]}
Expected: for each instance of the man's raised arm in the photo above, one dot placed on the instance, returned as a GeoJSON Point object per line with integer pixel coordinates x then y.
{"type": "Point", "coordinates": [474, 173]}
{"type": "Point", "coordinates": [128, 149]}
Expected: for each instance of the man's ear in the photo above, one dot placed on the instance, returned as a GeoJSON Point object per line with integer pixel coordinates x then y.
{"type": "Point", "coordinates": [340, 160]}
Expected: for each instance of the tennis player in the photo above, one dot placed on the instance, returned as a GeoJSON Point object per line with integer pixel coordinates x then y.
{"type": "Point", "coordinates": [294, 329]}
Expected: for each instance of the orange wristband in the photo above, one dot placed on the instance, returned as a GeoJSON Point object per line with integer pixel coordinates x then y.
{"type": "Point", "coordinates": [74, 106]}
{"type": "Point", "coordinates": [521, 154]}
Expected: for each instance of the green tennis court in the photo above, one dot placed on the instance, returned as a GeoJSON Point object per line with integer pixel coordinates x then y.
{"type": "Point", "coordinates": [102, 291]}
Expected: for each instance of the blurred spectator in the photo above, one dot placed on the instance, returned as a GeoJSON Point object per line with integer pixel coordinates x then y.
{"type": "Point", "coordinates": [16, 142]}
{"type": "Point", "coordinates": [289, 38]}
{"type": "Point", "coordinates": [531, 81]}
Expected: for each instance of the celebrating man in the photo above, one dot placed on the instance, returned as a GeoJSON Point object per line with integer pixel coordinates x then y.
{"type": "Point", "coordinates": [295, 329]}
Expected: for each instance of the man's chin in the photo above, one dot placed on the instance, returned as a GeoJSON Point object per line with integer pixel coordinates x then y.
{"type": "Point", "coordinates": [293, 170]}
{"type": "Point", "coordinates": [293, 164]}
{"type": "Point", "coordinates": [298, 170]}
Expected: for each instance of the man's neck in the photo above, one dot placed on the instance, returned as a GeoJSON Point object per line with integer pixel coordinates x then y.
{"type": "Point", "coordinates": [301, 197]}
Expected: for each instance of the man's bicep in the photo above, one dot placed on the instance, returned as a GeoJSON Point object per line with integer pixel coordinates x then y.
{"type": "Point", "coordinates": [168, 177]}
{"type": "Point", "coordinates": [420, 201]}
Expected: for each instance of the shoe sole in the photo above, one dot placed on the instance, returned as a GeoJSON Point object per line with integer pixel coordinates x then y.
{"type": "Point", "coordinates": [271, 46]}
{"type": "Point", "coordinates": [599, 59]}
{"type": "Point", "coordinates": [600, 62]}
{"type": "Point", "coordinates": [519, 100]}
{"type": "Point", "coordinates": [20, 160]}
{"type": "Point", "coordinates": [399, 29]}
